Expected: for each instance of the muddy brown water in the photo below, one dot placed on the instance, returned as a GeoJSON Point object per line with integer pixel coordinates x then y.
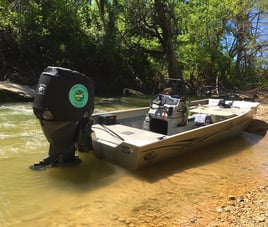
{"type": "Point", "coordinates": [97, 193]}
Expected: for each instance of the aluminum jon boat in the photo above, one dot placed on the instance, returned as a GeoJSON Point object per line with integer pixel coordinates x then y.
{"type": "Point", "coordinates": [141, 137]}
{"type": "Point", "coordinates": [64, 104]}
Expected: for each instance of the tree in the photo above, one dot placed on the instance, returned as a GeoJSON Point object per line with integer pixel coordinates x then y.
{"type": "Point", "coordinates": [151, 28]}
{"type": "Point", "coordinates": [131, 43]}
{"type": "Point", "coordinates": [243, 32]}
{"type": "Point", "coordinates": [163, 19]}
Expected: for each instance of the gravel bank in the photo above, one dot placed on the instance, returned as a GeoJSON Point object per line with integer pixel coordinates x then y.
{"type": "Point", "coordinates": [249, 209]}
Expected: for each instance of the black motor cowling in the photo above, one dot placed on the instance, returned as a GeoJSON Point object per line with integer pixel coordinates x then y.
{"type": "Point", "coordinates": [63, 103]}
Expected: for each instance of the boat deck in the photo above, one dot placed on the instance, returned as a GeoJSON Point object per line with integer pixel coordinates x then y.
{"type": "Point", "coordinates": [135, 136]}
{"type": "Point", "coordinates": [133, 133]}
{"type": "Point", "coordinates": [215, 111]}
{"type": "Point", "coordinates": [238, 108]}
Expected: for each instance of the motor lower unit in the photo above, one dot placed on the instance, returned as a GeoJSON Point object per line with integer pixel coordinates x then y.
{"type": "Point", "coordinates": [63, 103]}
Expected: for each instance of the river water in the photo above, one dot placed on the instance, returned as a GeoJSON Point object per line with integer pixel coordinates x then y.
{"type": "Point", "coordinates": [97, 193]}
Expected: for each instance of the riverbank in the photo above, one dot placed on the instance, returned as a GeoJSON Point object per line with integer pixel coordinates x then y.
{"type": "Point", "coordinates": [12, 92]}
{"type": "Point", "coordinates": [244, 205]}
{"type": "Point", "coordinates": [249, 208]}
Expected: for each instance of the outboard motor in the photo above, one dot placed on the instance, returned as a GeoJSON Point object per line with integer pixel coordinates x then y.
{"type": "Point", "coordinates": [63, 103]}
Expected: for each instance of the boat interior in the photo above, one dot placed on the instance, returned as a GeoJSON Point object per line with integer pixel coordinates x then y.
{"type": "Point", "coordinates": [166, 116]}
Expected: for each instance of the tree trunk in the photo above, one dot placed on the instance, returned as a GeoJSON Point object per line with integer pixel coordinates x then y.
{"type": "Point", "coordinates": [174, 67]}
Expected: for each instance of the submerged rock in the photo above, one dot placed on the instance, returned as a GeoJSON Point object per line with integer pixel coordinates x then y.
{"type": "Point", "coordinates": [11, 92]}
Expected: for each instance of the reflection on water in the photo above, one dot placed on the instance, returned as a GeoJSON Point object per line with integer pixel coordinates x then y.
{"type": "Point", "coordinates": [98, 193]}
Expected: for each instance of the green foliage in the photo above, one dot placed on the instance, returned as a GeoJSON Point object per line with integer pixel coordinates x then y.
{"type": "Point", "coordinates": [132, 43]}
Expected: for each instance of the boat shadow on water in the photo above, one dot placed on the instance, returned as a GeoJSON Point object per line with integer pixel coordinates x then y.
{"type": "Point", "coordinates": [93, 173]}
{"type": "Point", "coordinates": [89, 174]}
{"type": "Point", "coordinates": [258, 127]}
{"type": "Point", "coordinates": [200, 157]}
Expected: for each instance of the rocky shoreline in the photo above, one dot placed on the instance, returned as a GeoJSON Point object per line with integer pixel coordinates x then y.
{"type": "Point", "coordinates": [246, 210]}
{"type": "Point", "coordinates": [249, 209]}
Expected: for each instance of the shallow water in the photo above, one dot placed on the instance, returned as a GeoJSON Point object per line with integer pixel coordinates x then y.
{"type": "Point", "coordinates": [97, 193]}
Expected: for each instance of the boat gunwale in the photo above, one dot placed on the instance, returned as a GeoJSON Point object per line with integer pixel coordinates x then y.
{"type": "Point", "coordinates": [133, 156]}
{"type": "Point", "coordinates": [166, 137]}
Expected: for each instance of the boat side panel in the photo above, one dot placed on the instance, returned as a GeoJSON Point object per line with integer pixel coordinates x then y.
{"type": "Point", "coordinates": [193, 139]}
{"type": "Point", "coordinates": [132, 157]}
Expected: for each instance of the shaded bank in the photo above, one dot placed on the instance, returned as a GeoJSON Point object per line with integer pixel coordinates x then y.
{"type": "Point", "coordinates": [11, 92]}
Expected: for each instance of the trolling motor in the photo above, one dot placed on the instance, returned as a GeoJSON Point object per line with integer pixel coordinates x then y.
{"type": "Point", "coordinates": [63, 103]}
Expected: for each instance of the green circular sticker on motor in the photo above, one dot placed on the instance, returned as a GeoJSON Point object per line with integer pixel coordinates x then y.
{"type": "Point", "coordinates": [78, 95]}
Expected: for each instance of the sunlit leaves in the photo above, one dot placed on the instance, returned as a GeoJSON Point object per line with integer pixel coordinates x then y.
{"type": "Point", "coordinates": [121, 39]}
